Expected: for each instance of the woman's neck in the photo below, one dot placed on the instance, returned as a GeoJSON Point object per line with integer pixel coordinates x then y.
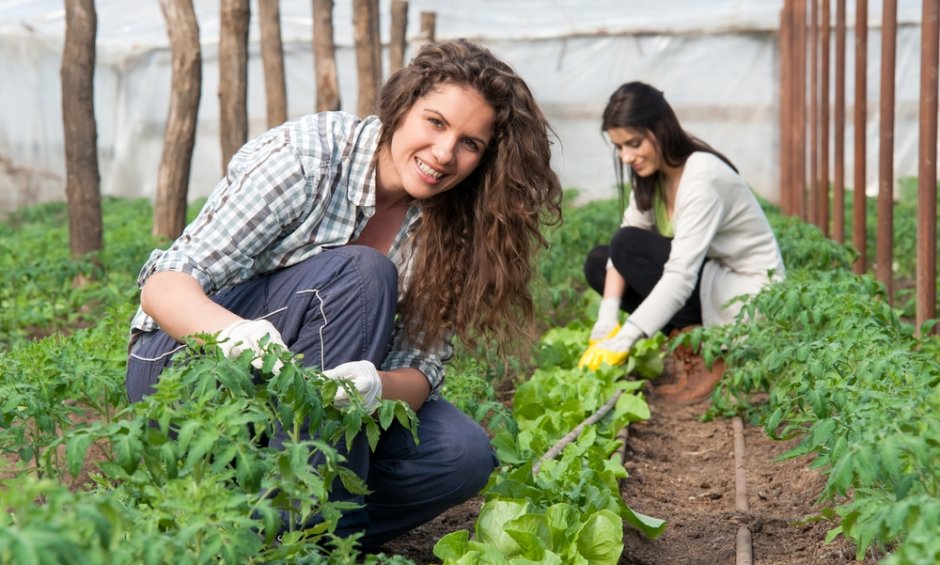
{"type": "Point", "coordinates": [670, 179]}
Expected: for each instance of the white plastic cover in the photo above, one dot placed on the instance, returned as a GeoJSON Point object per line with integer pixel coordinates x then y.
{"type": "Point", "coordinates": [716, 60]}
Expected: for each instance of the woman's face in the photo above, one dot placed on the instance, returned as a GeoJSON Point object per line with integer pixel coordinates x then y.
{"type": "Point", "coordinates": [637, 149]}
{"type": "Point", "coordinates": [439, 142]}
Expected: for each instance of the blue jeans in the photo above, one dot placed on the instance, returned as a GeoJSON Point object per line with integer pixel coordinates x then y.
{"type": "Point", "coordinates": [335, 307]}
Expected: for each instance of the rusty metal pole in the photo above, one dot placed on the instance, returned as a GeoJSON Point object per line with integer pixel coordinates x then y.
{"type": "Point", "coordinates": [860, 121]}
{"type": "Point", "coordinates": [822, 203]}
{"type": "Point", "coordinates": [927, 170]}
{"type": "Point", "coordinates": [812, 203]}
{"type": "Point", "coordinates": [784, 46]}
{"type": "Point", "coordinates": [838, 161]}
{"type": "Point", "coordinates": [884, 241]}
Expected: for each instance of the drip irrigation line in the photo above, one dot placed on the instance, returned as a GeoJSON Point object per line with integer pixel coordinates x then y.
{"type": "Point", "coordinates": [745, 549]}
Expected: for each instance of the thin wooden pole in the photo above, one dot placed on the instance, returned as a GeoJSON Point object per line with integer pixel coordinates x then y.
{"type": "Point", "coordinates": [822, 201]}
{"type": "Point", "coordinates": [324, 56]}
{"type": "Point", "coordinates": [885, 226]}
{"type": "Point", "coordinates": [179, 137]}
{"type": "Point", "coordinates": [838, 162]}
{"type": "Point", "coordinates": [233, 77]}
{"type": "Point", "coordinates": [366, 62]}
{"type": "Point", "coordinates": [80, 130]}
{"type": "Point", "coordinates": [785, 55]}
{"type": "Point", "coordinates": [860, 121]}
{"type": "Point", "coordinates": [428, 27]}
{"type": "Point", "coordinates": [272, 57]}
{"type": "Point", "coordinates": [398, 37]}
{"type": "Point", "coordinates": [926, 307]}
{"type": "Point", "coordinates": [799, 203]}
{"type": "Point", "coordinates": [811, 215]}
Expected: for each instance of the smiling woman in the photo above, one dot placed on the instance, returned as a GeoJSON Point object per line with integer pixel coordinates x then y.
{"type": "Point", "coordinates": [365, 245]}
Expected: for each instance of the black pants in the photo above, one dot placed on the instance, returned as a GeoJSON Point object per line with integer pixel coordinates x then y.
{"type": "Point", "coordinates": [639, 255]}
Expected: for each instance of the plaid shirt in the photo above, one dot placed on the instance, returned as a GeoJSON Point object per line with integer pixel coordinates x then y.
{"type": "Point", "coordinates": [297, 190]}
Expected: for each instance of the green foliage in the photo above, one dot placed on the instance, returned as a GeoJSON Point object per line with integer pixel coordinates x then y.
{"type": "Point", "coordinates": [48, 385]}
{"type": "Point", "coordinates": [37, 296]}
{"type": "Point", "coordinates": [846, 374]}
{"type": "Point", "coordinates": [570, 510]}
{"type": "Point", "coordinates": [560, 266]}
{"type": "Point", "coordinates": [189, 476]}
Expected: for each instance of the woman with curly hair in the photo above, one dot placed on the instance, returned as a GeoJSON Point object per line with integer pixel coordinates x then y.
{"type": "Point", "coordinates": [366, 245]}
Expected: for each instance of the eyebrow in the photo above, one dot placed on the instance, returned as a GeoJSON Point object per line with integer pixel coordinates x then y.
{"type": "Point", "coordinates": [443, 119]}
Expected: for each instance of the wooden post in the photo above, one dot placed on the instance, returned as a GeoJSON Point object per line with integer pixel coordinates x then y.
{"type": "Point", "coordinates": [838, 163]}
{"type": "Point", "coordinates": [785, 48]}
{"type": "Point", "coordinates": [83, 182]}
{"type": "Point", "coordinates": [272, 57]}
{"type": "Point", "coordinates": [822, 202]}
{"type": "Point", "coordinates": [365, 12]}
{"type": "Point", "coordinates": [885, 232]}
{"type": "Point", "coordinates": [179, 138]}
{"type": "Point", "coordinates": [860, 121]}
{"type": "Point", "coordinates": [428, 27]}
{"type": "Point", "coordinates": [324, 57]}
{"type": "Point", "coordinates": [233, 77]}
{"type": "Point", "coordinates": [811, 215]}
{"type": "Point", "coordinates": [399, 35]}
{"type": "Point", "coordinates": [927, 168]}
{"type": "Point", "coordinates": [799, 117]}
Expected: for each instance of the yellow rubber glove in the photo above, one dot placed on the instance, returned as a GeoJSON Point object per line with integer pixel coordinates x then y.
{"type": "Point", "coordinates": [612, 351]}
{"type": "Point", "coordinates": [595, 356]}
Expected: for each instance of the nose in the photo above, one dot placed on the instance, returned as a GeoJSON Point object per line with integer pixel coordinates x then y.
{"type": "Point", "coordinates": [626, 156]}
{"type": "Point", "coordinates": [443, 150]}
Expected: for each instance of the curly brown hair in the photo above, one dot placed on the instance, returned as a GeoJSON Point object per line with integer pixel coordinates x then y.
{"type": "Point", "coordinates": [476, 243]}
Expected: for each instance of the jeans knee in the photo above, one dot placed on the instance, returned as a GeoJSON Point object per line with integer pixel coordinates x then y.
{"type": "Point", "coordinates": [476, 461]}
{"type": "Point", "coordinates": [378, 273]}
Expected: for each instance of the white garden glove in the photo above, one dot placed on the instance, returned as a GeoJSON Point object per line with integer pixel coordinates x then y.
{"type": "Point", "coordinates": [246, 335]}
{"type": "Point", "coordinates": [608, 320]}
{"type": "Point", "coordinates": [364, 377]}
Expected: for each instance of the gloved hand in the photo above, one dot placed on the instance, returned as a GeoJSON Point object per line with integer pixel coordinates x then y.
{"type": "Point", "coordinates": [608, 320]}
{"type": "Point", "coordinates": [612, 351]}
{"type": "Point", "coordinates": [246, 335]}
{"type": "Point", "coordinates": [364, 377]}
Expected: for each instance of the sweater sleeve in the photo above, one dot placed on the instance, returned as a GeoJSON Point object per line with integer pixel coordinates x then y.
{"type": "Point", "coordinates": [698, 215]}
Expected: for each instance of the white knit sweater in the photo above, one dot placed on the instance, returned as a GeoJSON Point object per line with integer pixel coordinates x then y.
{"type": "Point", "coordinates": [716, 216]}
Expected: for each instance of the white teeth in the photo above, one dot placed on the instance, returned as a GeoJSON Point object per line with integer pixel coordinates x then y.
{"type": "Point", "coordinates": [428, 170]}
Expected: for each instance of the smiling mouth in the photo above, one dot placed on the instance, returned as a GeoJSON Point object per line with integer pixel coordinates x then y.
{"type": "Point", "coordinates": [427, 170]}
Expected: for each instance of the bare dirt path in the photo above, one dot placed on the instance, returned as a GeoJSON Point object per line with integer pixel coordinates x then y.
{"type": "Point", "coordinates": [682, 470]}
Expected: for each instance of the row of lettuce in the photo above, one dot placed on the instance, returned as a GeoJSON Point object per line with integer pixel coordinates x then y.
{"type": "Point", "coordinates": [845, 372]}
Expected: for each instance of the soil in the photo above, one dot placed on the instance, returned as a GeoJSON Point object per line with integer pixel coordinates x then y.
{"type": "Point", "coordinates": [682, 470]}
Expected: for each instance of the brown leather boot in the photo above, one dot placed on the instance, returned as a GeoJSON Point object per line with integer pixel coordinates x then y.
{"type": "Point", "coordinates": [694, 384]}
{"type": "Point", "coordinates": [701, 383]}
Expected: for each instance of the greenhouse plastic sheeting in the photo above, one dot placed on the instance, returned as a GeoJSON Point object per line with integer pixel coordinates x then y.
{"type": "Point", "coordinates": [716, 61]}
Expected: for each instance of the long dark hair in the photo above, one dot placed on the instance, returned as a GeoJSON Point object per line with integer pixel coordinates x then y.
{"type": "Point", "coordinates": [476, 242]}
{"type": "Point", "coordinates": [637, 105]}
